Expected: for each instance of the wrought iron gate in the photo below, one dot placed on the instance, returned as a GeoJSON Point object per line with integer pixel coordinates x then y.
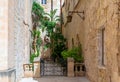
{"type": "Point", "coordinates": [50, 68]}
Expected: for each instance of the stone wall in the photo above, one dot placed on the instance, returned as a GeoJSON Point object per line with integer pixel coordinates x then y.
{"type": "Point", "coordinates": [3, 34]}
{"type": "Point", "coordinates": [23, 26]}
{"type": "Point", "coordinates": [11, 52]}
{"type": "Point", "coordinates": [99, 14]}
{"type": "Point", "coordinates": [15, 25]}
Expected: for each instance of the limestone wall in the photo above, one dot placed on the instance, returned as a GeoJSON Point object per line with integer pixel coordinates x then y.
{"type": "Point", "coordinates": [15, 25]}
{"type": "Point", "coordinates": [7, 63]}
{"type": "Point", "coordinates": [22, 34]}
{"type": "Point", "coordinates": [11, 52]}
{"type": "Point", "coordinates": [3, 34]}
{"type": "Point", "coordinates": [99, 14]}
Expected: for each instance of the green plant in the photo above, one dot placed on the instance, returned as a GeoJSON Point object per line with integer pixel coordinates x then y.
{"type": "Point", "coordinates": [48, 22]}
{"type": "Point", "coordinates": [37, 15]}
{"type": "Point", "coordinates": [37, 10]}
{"type": "Point", "coordinates": [75, 53]}
{"type": "Point", "coordinates": [52, 16]}
{"type": "Point", "coordinates": [59, 44]}
{"type": "Point", "coordinates": [36, 43]}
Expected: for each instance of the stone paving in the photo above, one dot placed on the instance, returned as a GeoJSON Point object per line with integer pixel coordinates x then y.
{"type": "Point", "coordinates": [56, 79]}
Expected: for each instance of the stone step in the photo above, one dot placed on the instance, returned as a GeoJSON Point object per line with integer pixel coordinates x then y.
{"type": "Point", "coordinates": [53, 69]}
{"type": "Point", "coordinates": [52, 65]}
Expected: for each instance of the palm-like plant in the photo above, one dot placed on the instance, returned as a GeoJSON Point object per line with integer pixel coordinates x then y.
{"type": "Point", "coordinates": [49, 23]}
{"type": "Point", "coordinates": [57, 41]}
{"type": "Point", "coordinates": [52, 16]}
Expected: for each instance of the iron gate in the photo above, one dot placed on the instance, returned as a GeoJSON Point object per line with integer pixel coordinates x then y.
{"type": "Point", "coordinates": [50, 68]}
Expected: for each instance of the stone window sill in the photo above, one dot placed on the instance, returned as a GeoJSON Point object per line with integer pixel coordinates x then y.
{"type": "Point", "coordinates": [102, 67]}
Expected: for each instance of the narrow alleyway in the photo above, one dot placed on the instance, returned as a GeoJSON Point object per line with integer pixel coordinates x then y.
{"type": "Point", "coordinates": [56, 79]}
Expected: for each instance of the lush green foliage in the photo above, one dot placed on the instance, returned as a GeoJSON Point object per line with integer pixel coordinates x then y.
{"type": "Point", "coordinates": [58, 44]}
{"type": "Point", "coordinates": [37, 10]}
{"type": "Point", "coordinates": [35, 44]}
{"type": "Point", "coordinates": [37, 15]}
{"type": "Point", "coordinates": [49, 23]}
{"type": "Point", "coordinates": [75, 53]}
{"type": "Point", "coordinates": [57, 40]}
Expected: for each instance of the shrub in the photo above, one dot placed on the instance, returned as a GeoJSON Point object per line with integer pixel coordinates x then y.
{"type": "Point", "coordinates": [75, 53]}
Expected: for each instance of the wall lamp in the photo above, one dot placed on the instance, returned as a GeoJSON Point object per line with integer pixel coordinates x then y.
{"type": "Point", "coordinates": [80, 14]}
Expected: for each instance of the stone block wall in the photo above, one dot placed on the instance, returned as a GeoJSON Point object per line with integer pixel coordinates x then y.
{"type": "Point", "coordinates": [7, 63]}
{"type": "Point", "coordinates": [15, 36]}
{"type": "Point", "coordinates": [23, 25]}
{"type": "Point", "coordinates": [99, 14]}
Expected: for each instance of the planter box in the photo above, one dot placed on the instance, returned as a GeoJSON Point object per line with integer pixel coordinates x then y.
{"type": "Point", "coordinates": [32, 70]}
{"type": "Point", "coordinates": [28, 70]}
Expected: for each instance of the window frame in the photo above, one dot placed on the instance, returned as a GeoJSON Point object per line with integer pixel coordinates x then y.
{"type": "Point", "coordinates": [101, 47]}
{"type": "Point", "coordinates": [43, 2]}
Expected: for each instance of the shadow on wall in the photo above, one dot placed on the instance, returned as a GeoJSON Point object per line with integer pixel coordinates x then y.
{"type": "Point", "coordinates": [8, 76]}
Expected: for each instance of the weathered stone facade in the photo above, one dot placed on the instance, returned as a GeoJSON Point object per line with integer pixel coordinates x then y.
{"type": "Point", "coordinates": [98, 34]}
{"type": "Point", "coordinates": [15, 23]}
{"type": "Point", "coordinates": [22, 31]}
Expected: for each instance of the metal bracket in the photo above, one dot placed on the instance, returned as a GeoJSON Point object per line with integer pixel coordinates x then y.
{"type": "Point", "coordinates": [80, 14]}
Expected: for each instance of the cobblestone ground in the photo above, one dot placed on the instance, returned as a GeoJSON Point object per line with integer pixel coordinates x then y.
{"type": "Point", "coordinates": [56, 79]}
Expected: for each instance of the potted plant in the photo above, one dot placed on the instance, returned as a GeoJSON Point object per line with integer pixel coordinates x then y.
{"type": "Point", "coordinates": [76, 54]}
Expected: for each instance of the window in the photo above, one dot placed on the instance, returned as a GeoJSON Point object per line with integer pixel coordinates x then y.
{"type": "Point", "coordinates": [101, 47]}
{"type": "Point", "coordinates": [72, 42]}
{"type": "Point", "coordinates": [118, 61]}
{"type": "Point", "coordinates": [43, 1]}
